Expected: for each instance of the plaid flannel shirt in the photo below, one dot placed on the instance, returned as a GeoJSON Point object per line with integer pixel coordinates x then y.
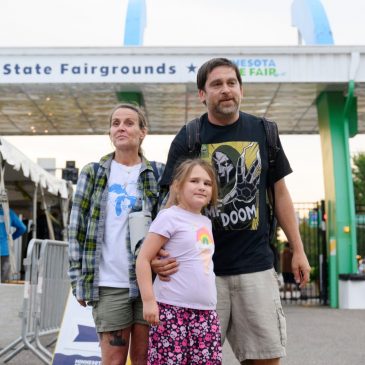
{"type": "Point", "coordinates": [87, 225]}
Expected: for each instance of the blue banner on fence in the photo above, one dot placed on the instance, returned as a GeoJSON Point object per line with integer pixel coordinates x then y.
{"type": "Point", "coordinates": [77, 342]}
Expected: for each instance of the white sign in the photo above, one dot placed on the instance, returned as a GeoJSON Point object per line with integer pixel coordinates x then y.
{"type": "Point", "coordinates": [77, 342]}
{"type": "Point", "coordinates": [116, 68]}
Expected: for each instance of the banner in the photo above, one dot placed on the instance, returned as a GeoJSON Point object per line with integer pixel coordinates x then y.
{"type": "Point", "coordinates": [78, 342]}
{"type": "Point", "coordinates": [140, 68]}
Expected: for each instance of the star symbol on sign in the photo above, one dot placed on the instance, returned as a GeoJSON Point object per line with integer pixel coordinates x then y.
{"type": "Point", "coordinates": [191, 68]}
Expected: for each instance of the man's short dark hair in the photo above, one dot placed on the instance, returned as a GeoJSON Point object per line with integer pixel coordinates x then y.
{"type": "Point", "coordinates": [210, 65]}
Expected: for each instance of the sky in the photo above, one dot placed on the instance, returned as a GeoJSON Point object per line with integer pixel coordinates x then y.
{"type": "Point", "coordinates": [100, 23]}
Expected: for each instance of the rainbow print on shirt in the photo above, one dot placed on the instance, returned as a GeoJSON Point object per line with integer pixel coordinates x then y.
{"type": "Point", "coordinates": [205, 245]}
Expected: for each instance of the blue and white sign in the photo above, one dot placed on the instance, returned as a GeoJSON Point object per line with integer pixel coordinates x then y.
{"type": "Point", "coordinates": [78, 342]}
{"type": "Point", "coordinates": [141, 68]}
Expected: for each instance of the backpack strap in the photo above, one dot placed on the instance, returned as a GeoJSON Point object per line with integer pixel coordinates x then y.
{"type": "Point", "coordinates": [272, 136]}
{"type": "Point", "coordinates": [155, 171]}
{"type": "Point", "coordinates": [95, 167]}
{"type": "Point", "coordinates": [193, 137]}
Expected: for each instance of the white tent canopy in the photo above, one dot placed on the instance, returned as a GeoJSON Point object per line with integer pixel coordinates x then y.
{"type": "Point", "coordinates": [24, 185]}
{"type": "Point", "coordinates": [22, 168]}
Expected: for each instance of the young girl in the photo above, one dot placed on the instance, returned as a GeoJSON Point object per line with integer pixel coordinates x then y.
{"type": "Point", "coordinates": [185, 327]}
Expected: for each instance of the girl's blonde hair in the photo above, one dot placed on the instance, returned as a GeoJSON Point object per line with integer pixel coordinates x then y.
{"type": "Point", "coordinates": [182, 173]}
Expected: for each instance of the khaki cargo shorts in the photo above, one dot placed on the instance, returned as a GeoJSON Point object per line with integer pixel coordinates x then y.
{"type": "Point", "coordinates": [251, 315]}
{"type": "Point", "coordinates": [114, 310]}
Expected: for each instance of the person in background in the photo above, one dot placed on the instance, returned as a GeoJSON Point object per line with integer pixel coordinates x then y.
{"type": "Point", "coordinates": [286, 270]}
{"type": "Point", "coordinates": [235, 143]}
{"type": "Point", "coordinates": [185, 326]}
{"type": "Point", "coordinates": [102, 261]}
{"type": "Point", "coordinates": [20, 229]}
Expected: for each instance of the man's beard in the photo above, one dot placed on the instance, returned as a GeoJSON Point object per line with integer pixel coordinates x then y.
{"type": "Point", "coordinates": [227, 110]}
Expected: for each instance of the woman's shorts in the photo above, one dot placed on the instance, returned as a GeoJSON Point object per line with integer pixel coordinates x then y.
{"type": "Point", "coordinates": [114, 310]}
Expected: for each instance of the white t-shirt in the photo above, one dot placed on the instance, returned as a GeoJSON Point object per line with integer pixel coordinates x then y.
{"type": "Point", "coordinates": [122, 197]}
{"type": "Point", "coordinates": [191, 243]}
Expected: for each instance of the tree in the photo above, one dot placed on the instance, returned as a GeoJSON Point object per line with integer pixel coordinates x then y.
{"type": "Point", "coordinates": [358, 175]}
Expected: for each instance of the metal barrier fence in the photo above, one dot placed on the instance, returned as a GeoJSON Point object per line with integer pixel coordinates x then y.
{"type": "Point", "coordinates": [46, 289]}
{"type": "Point", "coordinates": [313, 235]}
{"type": "Point", "coordinates": [360, 230]}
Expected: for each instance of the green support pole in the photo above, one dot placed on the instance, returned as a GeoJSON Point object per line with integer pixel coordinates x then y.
{"type": "Point", "coordinates": [340, 205]}
{"type": "Point", "coordinates": [131, 97]}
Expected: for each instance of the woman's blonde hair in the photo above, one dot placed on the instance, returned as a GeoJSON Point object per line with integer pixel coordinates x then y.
{"type": "Point", "coordinates": [182, 173]}
{"type": "Point", "coordinates": [142, 120]}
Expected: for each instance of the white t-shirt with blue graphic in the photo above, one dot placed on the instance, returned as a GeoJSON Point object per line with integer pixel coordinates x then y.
{"type": "Point", "coordinates": [122, 197]}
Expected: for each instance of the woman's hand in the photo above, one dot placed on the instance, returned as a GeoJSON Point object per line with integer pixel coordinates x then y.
{"type": "Point", "coordinates": [151, 312]}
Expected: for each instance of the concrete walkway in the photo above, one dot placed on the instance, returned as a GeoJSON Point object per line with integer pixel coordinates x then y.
{"type": "Point", "coordinates": [320, 336]}
{"type": "Point", "coordinates": [316, 335]}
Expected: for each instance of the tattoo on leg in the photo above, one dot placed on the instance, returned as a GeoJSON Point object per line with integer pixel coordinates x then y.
{"type": "Point", "coordinates": [116, 339]}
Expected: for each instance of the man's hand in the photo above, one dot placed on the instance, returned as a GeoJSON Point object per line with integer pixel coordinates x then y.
{"type": "Point", "coordinates": [164, 266]}
{"type": "Point", "coordinates": [301, 268]}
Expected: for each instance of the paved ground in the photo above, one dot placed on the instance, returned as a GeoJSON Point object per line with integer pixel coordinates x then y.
{"type": "Point", "coordinates": [317, 335]}
{"type": "Point", "coordinates": [320, 336]}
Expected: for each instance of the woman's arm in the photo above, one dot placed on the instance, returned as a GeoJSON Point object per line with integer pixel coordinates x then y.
{"type": "Point", "coordinates": [151, 246]}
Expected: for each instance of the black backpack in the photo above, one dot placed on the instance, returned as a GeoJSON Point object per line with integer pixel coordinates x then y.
{"type": "Point", "coordinates": [272, 135]}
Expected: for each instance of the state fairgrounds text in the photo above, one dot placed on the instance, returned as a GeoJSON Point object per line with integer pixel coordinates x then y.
{"type": "Point", "coordinates": [85, 69]}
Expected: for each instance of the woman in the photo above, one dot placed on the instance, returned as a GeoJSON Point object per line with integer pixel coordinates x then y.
{"type": "Point", "coordinates": [102, 262]}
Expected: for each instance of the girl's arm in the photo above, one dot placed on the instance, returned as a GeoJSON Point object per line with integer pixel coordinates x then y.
{"type": "Point", "coordinates": [151, 245]}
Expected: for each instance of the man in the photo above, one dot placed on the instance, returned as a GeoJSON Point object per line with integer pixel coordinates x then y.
{"type": "Point", "coordinates": [20, 229]}
{"type": "Point", "coordinates": [235, 143]}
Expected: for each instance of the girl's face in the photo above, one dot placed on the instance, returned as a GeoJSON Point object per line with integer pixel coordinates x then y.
{"type": "Point", "coordinates": [125, 132]}
{"type": "Point", "coordinates": [196, 191]}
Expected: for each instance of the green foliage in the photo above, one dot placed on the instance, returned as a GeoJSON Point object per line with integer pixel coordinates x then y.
{"type": "Point", "coordinates": [314, 274]}
{"type": "Point", "coordinates": [360, 236]}
{"type": "Point", "coordinates": [358, 175]}
{"type": "Point", "coordinates": [309, 236]}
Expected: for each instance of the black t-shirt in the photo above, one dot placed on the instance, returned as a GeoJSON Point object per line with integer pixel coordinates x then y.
{"type": "Point", "coordinates": [239, 155]}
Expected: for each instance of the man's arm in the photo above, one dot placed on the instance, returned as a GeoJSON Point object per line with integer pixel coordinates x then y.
{"type": "Point", "coordinates": [285, 213]}
{"type": "Point", "coordinates": [164, 266]}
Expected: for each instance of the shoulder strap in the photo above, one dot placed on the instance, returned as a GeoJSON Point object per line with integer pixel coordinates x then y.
{"type": "Point", "coordinates": [272, 136]}
{"type": "Point", "coordinates": [193, 136]}
{"type": "Point", "coordinates": [95, 167]}
{"type": "Point", "coordinates": [155, 170]}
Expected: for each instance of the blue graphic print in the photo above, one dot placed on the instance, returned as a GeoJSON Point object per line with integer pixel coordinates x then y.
{"type": "Point", "coordinates": [123, 200]}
